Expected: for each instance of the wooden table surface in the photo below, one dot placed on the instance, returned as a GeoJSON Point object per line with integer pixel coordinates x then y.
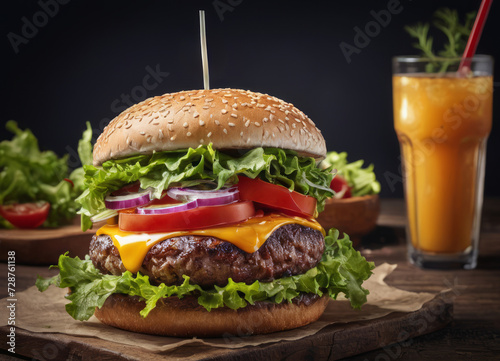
{"type": "Point", "coordinates": [474, 334]}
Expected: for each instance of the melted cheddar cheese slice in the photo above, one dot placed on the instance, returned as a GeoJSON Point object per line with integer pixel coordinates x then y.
{"type": "Point", "coordinates": [248, 236]}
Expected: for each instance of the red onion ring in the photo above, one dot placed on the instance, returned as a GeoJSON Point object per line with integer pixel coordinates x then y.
{"type": "Point", "coordinates": [216, 198]}
{"type": "Point", "coordinates": [187, 194]}
{"type": "Point", "coordinates": [128, 200]}
{"type": "Point", "coordinates": [167, 208]}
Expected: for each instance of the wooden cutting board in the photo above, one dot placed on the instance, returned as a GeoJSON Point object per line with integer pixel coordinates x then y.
{"type": "Point", "coordinates": [333, 342]}
{"type": "Point", "coordinates": [43, 246]}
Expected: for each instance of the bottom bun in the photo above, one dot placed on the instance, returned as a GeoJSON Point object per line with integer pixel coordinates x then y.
{"type": "Point", "coordinates": [186, 318]}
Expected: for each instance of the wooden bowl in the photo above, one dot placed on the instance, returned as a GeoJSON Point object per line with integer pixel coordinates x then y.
{"type": "Point", "coordinates": [356, 216]}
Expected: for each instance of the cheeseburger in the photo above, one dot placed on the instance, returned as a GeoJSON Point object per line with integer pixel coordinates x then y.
{"type": "Point", "coordinates": [210, 199]}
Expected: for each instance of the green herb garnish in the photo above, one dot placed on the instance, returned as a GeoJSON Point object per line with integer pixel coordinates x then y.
{"type": "Point", "coordinates": [456, 35]}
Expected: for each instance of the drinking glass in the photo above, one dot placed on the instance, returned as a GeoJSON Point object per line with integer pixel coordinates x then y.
{"type": "Point", "coordinates": [442, 117]}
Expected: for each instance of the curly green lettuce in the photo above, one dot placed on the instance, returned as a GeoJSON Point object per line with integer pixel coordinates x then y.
{"type": "Point", "coordinates": [192, 166]}
{"type": "Point", "coordinates": [30, 175]}
{"type": "Point", "coordinates": [362, 181]}
{"type": "Point", "coordinates": [341, 270]}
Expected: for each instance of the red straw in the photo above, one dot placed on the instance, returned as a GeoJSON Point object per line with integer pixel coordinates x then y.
{"type": "Point", "coordinates": [474, 36]}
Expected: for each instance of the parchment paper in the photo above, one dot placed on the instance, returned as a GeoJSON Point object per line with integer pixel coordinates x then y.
{"type": "Point", "coordinates": [45, 312]}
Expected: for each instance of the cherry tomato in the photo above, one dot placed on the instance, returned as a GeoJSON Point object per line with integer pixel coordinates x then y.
{"type": "Point", "coordinates": [276, 197]}
{"type": "Point", "coordinates": [201, 217]}
{"type": "Point", "coordinates": [341, 188]}
{"type": "Point", "coordinates": [26, 215]}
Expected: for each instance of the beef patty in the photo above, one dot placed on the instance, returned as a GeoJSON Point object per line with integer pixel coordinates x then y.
{"type": "Point", "coordinates": [290, 250]}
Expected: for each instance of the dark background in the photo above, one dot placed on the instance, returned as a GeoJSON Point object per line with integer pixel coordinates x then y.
{"type": "Point", "coordinates": [91, 55]}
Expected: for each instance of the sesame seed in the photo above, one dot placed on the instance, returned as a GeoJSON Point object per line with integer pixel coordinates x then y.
{"type": "Point", "coordinates": [241, 134]}
{"type": "Point", "coordinates": [286, 118]}
{"type": "Point", "coordinates": [294, 126]}
{"type": "Point", "coordinates": [282, 122]}
{"type": "Point", "coordinates": [257, 124]}
{"type": "Point", "coordinates": [292, 132]}
{"type": "Point", "coordinates": [234, 115]}
{"type": "Point", "coordinates": [188, 134]}
{"type": "Point", "coordinates": [172, 138]}
{"type": "Point", "coordinates": [235, 106]}
{"type": "Point", "coordinates": [196, 115]}
{"type": "Point", "coordinates": [247, 123]}
{"type": "Point", "coordinates": [142, 133]}
{"type": "Point", "coordinates": [297, 120]}
{"type": "Point", "coordinates": [160, 132]}
{"type": "Point", "coordinates": [185, 125]}
{"type": "Point", "coordinates": [265, 120]}
{"type": "Point", "coordinates": [224, 130]}
{"type": "Point", "coordinates": [208, 100]}
{"type": "Point", "coordinates": [202, 140]}
{"type": "Point", "coordinates": [202, 123]}
{"type": "Point", "coordinates": [206, 107]}
{"type": "Point", "coordinates": [209, 134]}
{"type": "Point", "coordinates": [182, 97]}
{"type": "Point", "coordinates": [271, 117]}
{"type": "Point", "coordinates": [228, 95]}
{"type": "Point", "coordinates": [188, 104]}
{"type": "Point", "coordinates": [224, 111]}
{"type": "Point", "coordinates": [231, 124]}
{"type": "Point", "coordinates": [217, 122]}
{"type": "Point", "coordinates": [225, 101]}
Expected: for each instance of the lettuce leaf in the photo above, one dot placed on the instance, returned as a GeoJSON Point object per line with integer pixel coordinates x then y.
{"type": "Point", "coordinates": [29, 175]}
{"type": "Point", "coordinates": [341, 270]}
{"type": "Point", "coordinates": [192, 166]}
{"type": "Point", "coordinates": [361, 180]}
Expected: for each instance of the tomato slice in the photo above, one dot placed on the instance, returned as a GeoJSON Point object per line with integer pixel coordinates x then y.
{"type": "Point", "coordinates": [341, 188]}
{"type": "Point", "coordinates": [26, 215]}
{"type": "Point", "coordinates": [276, 197]}
{"type": "Point", "coordinates": [201, 217]}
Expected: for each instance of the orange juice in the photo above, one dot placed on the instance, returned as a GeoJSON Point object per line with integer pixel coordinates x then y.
{"type": "Point", "coordinates": [442, 124]}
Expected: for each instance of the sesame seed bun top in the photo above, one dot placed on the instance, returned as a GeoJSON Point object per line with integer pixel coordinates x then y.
{"type": "Point", "coordinates": [227, 118]}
